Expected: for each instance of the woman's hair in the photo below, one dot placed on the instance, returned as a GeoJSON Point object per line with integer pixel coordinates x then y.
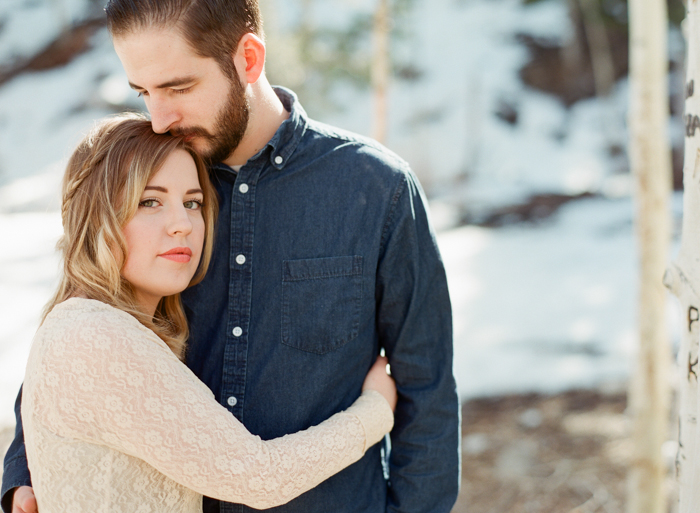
{"type": "Point", "coordinates": [102, 188]}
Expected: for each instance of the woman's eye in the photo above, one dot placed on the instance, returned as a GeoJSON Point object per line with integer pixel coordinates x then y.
{"type": "Point", "coordinates": [193, 204]}
{"type": "Point", "coordinates": [148, 203]}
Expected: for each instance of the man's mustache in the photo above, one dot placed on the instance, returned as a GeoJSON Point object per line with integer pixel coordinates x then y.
{"type": "Point", "coordinates": [191, 131]}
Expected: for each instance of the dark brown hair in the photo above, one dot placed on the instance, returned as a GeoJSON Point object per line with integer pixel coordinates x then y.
{"type": "Point", "coordinates": [212, 27]}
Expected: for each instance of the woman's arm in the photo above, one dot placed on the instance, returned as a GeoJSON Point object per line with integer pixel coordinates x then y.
{"type": "Point", "coordinates": [107, 380]}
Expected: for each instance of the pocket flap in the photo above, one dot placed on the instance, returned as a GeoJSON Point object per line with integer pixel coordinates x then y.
{"type": "Point", "coordinates": [314, 268]}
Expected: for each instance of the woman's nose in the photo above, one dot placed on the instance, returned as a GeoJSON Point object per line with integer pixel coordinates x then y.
{"type": "Point", "coordinates": [180, 222]}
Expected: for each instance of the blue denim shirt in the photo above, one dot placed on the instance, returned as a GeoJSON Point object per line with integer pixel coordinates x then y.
{"type": "Point", "coordinates": [324, 255]}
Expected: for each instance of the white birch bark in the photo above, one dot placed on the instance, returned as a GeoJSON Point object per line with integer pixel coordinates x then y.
{"type": "Point", "coordinates": [651, 165]}
{"type": "Point", "coordinates": [683, 278]}
{"type": "Point", "coordinates": [381, 67]}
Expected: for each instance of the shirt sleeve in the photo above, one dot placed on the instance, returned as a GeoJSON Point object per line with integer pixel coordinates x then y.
{"type": "Point", "coordinates": [15, 468]}
{"type": "Point", "coordinates": [415, 327]}
{"type": "Point", "coordinates": [123, 388]}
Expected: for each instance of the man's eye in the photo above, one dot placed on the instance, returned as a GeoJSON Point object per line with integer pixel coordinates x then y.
{"type": "Point", "coordinates": [182, 91]}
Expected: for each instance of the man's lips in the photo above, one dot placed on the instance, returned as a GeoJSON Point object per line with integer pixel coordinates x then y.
{"type": "Point", "coordinates": [182, 255]}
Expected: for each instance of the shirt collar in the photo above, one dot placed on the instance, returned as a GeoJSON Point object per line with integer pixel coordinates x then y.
{"type": "Point", "coordinates": [290, 132]}
{"type": "Point", "coordinates": [287, 137]}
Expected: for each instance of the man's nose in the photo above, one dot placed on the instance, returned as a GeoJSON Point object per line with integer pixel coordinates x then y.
{"type": "Point", "coordinates": [163, 115]}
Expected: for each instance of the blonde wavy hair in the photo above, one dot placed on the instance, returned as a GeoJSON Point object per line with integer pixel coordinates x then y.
{"type": "Point", "coordinates": [102, 188]}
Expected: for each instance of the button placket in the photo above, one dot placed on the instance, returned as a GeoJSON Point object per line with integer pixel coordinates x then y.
{"type": "Point", "coordinates": [242, 218]}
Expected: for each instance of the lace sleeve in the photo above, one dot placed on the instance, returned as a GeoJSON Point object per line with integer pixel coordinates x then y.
{"type": "Point", "coordinates": [110, 381]}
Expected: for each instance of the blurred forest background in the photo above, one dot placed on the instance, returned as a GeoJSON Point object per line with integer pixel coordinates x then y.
{"type": "Point", "coordinates": [513, 113]}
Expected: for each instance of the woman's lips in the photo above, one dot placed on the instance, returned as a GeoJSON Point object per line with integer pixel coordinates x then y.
{"type": "Point", "coordinates": [181, 255]}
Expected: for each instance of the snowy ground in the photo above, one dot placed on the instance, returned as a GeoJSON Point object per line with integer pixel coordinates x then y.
{"type": "Point", "coordinates": [545, 308]}
{"type": "Point", "coordinates": [549, 308]}
{"type": "Point", "coordinates": [536, 308]}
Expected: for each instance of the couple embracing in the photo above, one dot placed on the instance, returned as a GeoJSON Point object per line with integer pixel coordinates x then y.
{"type": "Point", "coordinates": [231, 272]}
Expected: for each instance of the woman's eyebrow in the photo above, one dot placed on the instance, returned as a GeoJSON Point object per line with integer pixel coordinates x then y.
{"type": "Point", "coordinates": [163, 189]}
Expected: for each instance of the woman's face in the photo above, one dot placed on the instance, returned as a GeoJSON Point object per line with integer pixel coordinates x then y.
{"type": "Point", "coordinates": [165, 237]}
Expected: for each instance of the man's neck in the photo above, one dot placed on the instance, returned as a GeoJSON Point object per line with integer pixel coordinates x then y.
{"type": "Point", "coordinates": [266, 115]}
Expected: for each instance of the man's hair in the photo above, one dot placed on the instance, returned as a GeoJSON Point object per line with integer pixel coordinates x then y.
{"type": "Point", "coordinates": [213, 28]}
{"type": "Point", "coordinates": [102, 187]}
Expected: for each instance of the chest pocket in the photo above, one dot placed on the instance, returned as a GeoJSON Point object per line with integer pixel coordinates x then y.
{"type": "Point", "coordinates": [321, 301]}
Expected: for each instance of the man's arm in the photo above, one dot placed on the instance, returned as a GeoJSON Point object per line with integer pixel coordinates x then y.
{"type": "Point", "coordinates": [414, 320]}
{"type": "Point", "coordinates": [15, 468]}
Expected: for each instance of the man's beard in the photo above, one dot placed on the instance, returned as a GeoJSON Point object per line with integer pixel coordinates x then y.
{"type": "Point", "coordinates": [229, 127]}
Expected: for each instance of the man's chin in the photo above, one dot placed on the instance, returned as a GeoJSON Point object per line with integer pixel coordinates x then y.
{"type": "Point", "coordinates": [200, 145]}
{"type": "Point", "coordinates": [208, 149]}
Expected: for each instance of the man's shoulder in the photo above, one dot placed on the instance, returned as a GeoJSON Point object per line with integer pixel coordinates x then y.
{"type": "Point", "coordinates": [355, 149]}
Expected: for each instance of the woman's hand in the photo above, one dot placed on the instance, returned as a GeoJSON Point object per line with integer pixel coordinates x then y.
{"type": "Point", "coordinates": [378, 379]}
{"type": "Point", "coordinates": [24, 501]}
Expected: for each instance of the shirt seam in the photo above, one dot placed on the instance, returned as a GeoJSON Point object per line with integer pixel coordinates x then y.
{"type": "Point", "coordinates": [349, 137]}
{"type": "Point", "coordinates": [392, 211]}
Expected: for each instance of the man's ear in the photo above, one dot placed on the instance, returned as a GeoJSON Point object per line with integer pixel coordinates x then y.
{"type": "Point", "coordinates": [250, 58]}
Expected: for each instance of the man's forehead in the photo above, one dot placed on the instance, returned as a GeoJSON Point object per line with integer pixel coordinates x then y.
{"type": "Point", "coordinates": [157, 57]}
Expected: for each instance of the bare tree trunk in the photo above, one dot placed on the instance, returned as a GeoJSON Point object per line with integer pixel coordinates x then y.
{"type": "Point", "coordinates": [683, 278]}
{"type": "Point", "coordinates": [651, 164]}
{"type": "Point", "coordinates": [381, 67]}
{"type": "Point", "coordinates": [598, 47]}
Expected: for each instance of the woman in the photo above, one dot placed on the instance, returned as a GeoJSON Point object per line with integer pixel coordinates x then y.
{"type": "Point", "coordinates": [113, 420]}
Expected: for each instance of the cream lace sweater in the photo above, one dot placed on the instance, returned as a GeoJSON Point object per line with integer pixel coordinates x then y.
{"type": "Point", "coordinates": [114, 422]}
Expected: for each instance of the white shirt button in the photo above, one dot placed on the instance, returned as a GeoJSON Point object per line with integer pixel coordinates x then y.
{"type": "Point", "coordinates": [278, 159]}
{"type": "Point", "coordinates": [232, 401]}
{"type": "Point", "coordinates": [240, 259]}
{"type": "Point", "coordinates": [243, 188]}
{"type": "Point", "coordinates": [237, 331]}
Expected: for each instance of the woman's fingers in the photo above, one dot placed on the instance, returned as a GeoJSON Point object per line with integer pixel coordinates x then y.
{"type": "Point", "coordinates": [24, 500]}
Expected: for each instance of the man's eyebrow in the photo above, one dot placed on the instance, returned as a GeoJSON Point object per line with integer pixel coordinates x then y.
{"type": "Point", "coordinates": [171, 83]}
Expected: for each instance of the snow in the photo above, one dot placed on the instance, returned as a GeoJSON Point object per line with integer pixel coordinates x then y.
{"type": "Point", "coordinates": [46, 20]}
{"type": "Point", "coordinates": [536, 308]}
{"type": "Point", "coordinates": [544, 307]}
{"type": "Point", "coordinates": [547, 308]}
{"type": "Point", "coordinates": [28, 270]}
{"type": "Point", "coordinates": [44, 114]}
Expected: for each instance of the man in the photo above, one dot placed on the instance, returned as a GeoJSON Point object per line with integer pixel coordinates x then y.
{"type": "Point", "coordinates": [324, 255]}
